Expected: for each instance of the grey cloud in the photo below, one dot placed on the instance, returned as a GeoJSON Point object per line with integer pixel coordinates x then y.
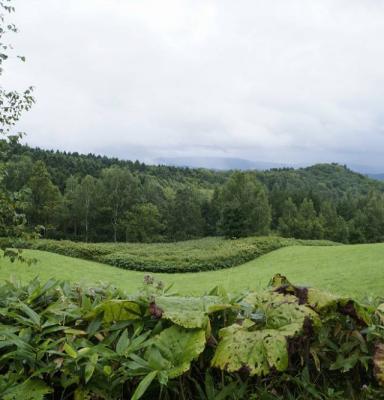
{"type": "Point", "coordinates": [285, 81]}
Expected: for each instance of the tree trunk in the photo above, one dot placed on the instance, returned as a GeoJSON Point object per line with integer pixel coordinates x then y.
{"type": "Point", "coordinates": [86, 229]}
{"type": "Point", "coordinates": [87, 207]}
{"type": "Point", "coordinates": [115, 232]}
{"type": "Point", "coordinates": [115, 223]}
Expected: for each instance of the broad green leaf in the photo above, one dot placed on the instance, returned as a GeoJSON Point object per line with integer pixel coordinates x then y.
{"type": "Point", "coordinates": [143, 385]}
{"type": "Point", "coordinates": [156, 360]}
{"type": "Point", "coordinates": [322, 302]}
{"type": "Point", "coordinates": [29, 390]}
{"type": "Point", "coordinates": [118, 310]}
{"type": "Point", "coordinates": [175, 348]}
{"type": "Point", "coordinates": [190, 312]}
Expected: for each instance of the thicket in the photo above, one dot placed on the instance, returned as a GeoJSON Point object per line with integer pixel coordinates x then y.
{"type": "Point", "coordinates": [66, 342]}
{"type": "Point", "coordinates": [188, 256]}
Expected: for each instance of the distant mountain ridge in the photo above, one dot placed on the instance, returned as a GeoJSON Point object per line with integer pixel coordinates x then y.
{"type": "Point", "coordinates": [221, 163]}
{"type": "Point", "coordinates": [229, 163]}
{"type": "Point", "coordinates": [379, 177]}
{"type": "Point", "coordinates": [205, 171]}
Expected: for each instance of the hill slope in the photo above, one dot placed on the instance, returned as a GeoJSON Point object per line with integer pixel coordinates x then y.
{"type": "Point", "coordinates": [356, 270]}
{"type": "Point", "coordinates": [329, 178]}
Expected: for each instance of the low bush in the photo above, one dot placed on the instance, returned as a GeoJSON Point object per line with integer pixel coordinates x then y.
{"type": "Point", "coordinates": [65, 342]}
{"type": "Point", "coordinates": [189, 256]}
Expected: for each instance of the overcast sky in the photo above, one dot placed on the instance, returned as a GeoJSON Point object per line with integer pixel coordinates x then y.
{"type": "Point", "coordinates": [298, 81]}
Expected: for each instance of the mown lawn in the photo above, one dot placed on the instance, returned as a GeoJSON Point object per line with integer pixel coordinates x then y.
{"type": "Point", "coordinates": [356, 270]}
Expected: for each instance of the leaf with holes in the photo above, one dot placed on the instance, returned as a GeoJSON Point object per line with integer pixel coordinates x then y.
{"type": "Point", "coordinates": [281, 311]}
{"type": "Point", "coordinates": [256, 352]}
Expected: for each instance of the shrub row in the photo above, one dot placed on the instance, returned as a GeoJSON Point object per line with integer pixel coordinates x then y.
{"type": "Point", "coordinates": [66, 342]}
{"type": "Point", "coordinates": [189, 256]}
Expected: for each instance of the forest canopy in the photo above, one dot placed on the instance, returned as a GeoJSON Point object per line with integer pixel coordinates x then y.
{"type": "Point", "coordinates": [95, 198]}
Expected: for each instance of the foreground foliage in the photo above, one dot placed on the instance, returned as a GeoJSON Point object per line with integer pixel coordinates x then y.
{"type": "Point", "coordinates": [59, 341]}
{"type": "Point", "coordinates": [188, 256]}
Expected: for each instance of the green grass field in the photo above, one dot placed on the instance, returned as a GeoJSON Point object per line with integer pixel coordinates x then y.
{"type": "Point", "coordinates": [356, 270]}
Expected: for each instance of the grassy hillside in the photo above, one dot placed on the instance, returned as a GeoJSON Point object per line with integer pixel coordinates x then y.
{"type": "Point", "coordinates": [356, 270]}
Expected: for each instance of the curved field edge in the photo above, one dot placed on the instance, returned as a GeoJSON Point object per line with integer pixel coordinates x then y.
{"type": "Point", "coordinates": [189, 256]}
{"type": "Point", "coordinates": [353, 270]}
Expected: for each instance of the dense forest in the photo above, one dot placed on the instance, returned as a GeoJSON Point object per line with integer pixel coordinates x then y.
{"type": "Point", "coordinates": [95, 198]}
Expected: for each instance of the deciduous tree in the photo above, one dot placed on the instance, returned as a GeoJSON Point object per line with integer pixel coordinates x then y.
{"type": "Point", "coordinates": [245, 207]}
{"type": "Point", "coordinates": [121, 192]}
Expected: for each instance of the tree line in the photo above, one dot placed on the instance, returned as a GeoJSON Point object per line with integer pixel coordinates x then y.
{"type": "Point", "coordinates": [124, 203]}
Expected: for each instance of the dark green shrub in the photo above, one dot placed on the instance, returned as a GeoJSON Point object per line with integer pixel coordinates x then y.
{"type": "Point", "coordinates": [188, 256]}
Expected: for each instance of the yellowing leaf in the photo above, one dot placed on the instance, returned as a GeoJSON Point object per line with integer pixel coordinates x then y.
{"type": "Point", "coordinates": [107, 370]}
{"type": "Point", "coordinates": [75, 332]}
{"type": "Point", "coordinates": [281, 311]}
{"type": "Point", "coordinates": [378, 361]}
{"type": "Point", "coordinates": [255, 351]}
{"type": "Point", "coordinates": [262, 345]}
{"type": "Point", "coordinates": [380, 313]}
{"type": "Point", "coordinates": [70, 350]}
{"type": "Point", "coordinates": [90, 367]}
{"type": "Point", "coordinates": [319, 300]}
